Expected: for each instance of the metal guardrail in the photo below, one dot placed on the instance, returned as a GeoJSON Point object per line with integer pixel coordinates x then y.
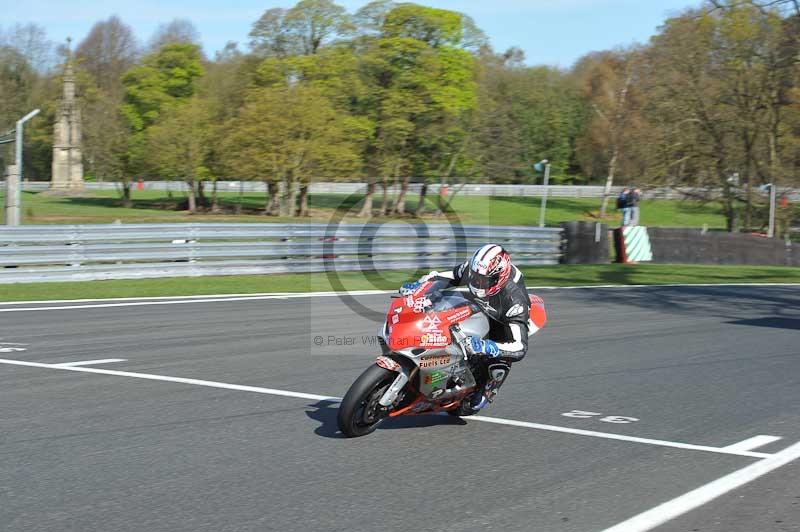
{"type": "Point", "coordinates": [36, 253]}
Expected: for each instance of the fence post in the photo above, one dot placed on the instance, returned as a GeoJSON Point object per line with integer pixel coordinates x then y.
{"type": "Point", "coordinates": [12, 195]}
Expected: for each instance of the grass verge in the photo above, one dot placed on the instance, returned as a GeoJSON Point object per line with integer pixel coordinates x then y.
{"type": "Point", "coordinates": [651, 274]}
{"type": "Point", "coordinates": [157, 207]}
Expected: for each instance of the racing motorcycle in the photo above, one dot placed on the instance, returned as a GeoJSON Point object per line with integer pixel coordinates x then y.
{"type": "Point", "coordinates": [426, 366]}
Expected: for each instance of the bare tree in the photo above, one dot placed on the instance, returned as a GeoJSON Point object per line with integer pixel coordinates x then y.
{"type": "Point", "coordinates": [605, 79]}
{"type": "Point", "coordinates": [269, 36]}
{"type": "Point", "coordinates": [107, 52]}
{"type": "Point", "coordinates": [31, 41]}
{"type": "Point", "coordinates": [314, 23]}
{"type": "Point", "coordinates": [179, 31]}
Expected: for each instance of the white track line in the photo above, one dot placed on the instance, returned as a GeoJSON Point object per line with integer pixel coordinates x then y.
{"type": "Point", "coordinates": [186, 301]}
{"type": "Point", "coordinates": [672, 285]}
{"type": "Point", "coordinates": [202, 298]}
{"type": "Point", "coordinates": [198, 296]}
{"type": "Point", "coordinates": [284, 393]}
{"type": "Point", "coordinates": [89, 362]}
{"type": "Point", "coordinates": [181, 380]}
{"type": "Point", "coordinates": [621, 437]}
{"type": "Point", "coordinates": [753, 443]}
{"type": "Point", "coordinates": [705, 494]}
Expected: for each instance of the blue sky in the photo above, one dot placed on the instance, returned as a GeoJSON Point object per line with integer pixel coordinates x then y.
{"type": "Point", "coordinates": [554, 32]}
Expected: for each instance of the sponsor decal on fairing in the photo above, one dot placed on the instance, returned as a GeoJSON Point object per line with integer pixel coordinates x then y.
{"type": "Point", "coordinates": [387, 363]}
{"type": "Point", "coordinates": [421, 303]}
{"type": "Point", "coordinates": [434, 339]}
{"type": "Point", "coordinates": [461, 314]}
{"type": "Point", "coordinates": [433, 361]}
{"type": "Point", "coordinates": [430, 324]}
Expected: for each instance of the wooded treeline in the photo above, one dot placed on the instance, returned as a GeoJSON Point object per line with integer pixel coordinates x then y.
{"type": "Point", "coordinates": [399, 92]}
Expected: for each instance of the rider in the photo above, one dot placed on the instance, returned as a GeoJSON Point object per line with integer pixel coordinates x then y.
{"type": "Point", "coordinates": [499, 289]}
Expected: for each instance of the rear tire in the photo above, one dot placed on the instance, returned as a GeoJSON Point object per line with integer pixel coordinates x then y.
{"type": "Point", "coordinates": [359, 413]}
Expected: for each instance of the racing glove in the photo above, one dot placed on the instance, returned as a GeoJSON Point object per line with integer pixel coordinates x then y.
{"type": "Point", "coordinates": [429, 276]}
{"type": "Point", "coordinates": [409, 288]}
{"type": "Point", "coordinates": [479, 346]}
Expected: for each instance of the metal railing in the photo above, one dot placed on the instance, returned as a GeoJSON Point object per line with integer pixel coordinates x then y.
{"type": "Point", "coordinates": [36, 253]}
{"type": "Point", "coordinates": [477, 189]}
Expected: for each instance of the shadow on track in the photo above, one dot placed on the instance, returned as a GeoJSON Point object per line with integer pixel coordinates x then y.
{"type": "Point", "coordinates": [775, 323]}
{"type": "Point", "coordinates": [761, 306]}
{"type": "Point", "coordinates": [325, 413]}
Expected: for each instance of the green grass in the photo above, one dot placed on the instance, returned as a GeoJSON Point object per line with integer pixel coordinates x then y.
{"type": "Point", "coordinates": [536, 276]}
{"type": "Point", "coordinates": [156, 206]}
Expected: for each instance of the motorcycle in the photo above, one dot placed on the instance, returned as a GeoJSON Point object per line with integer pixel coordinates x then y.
{"type": "Point", "coordinates": [426, 366]}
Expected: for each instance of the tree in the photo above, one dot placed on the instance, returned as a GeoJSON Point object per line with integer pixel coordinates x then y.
{"type": "Point", "coordinates": [105, 138]}
{"type": "Point", "coordinates": [107, 52]}
{"type": "Point", "coordinates": [421, 82]}
{"type": "Point", "coordinates": [301, 30]}
{"type": "Point", "coordinates": [177, 31]}
{"type": "Point", "coordinates": [716, 76]}
{"type": "Point", "coordinates": [16, 82]}
{"type": "Point", "coordinates": [370, 18]}
{"type": "Point", "coordinates": [164, 77]}
{"type": "Point", "coordinates": [269, 36]}
{"type": "Point", "coordinates": [31, 41]}
{"type": "Point", "coordinates": [180, 145]}
{"type": "Point", "coordinates": [164, 80]}
{"type": "Point", "coordinates": [606, 80]}
{"type": "Point", "coordinates": [312, 24]}
{"type": "Point", "coordinates": [287, 136]}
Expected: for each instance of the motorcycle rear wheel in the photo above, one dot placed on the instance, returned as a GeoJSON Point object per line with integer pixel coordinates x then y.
{"type": "Point", "coordinates": [359, 413]}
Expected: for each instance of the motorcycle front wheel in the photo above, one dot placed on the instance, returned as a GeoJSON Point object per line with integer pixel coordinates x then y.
{"type": "Point", "coordinates": [360, 413]}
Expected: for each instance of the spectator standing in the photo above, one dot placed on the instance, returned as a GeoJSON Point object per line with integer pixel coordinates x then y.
{"type": "Point", "coordinates": [622, 203]}
{"type": "Point", "coordinates": [634, 197]}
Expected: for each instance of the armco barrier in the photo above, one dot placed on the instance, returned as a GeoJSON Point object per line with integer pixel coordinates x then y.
{"type": "Point", "coordinates": [35, 253]}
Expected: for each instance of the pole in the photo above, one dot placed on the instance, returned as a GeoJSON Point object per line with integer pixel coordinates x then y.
{"type": "Point", "coordinates": [13, 208]}
{"type": "Point", "coordinates": [12, 195]}
{"type": "Point", "coordinates": [543, 208]}
{"type": "Point", "coordinates": [772, 196]}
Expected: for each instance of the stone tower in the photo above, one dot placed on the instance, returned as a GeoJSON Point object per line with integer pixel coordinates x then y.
{"type": "Point", "coordinates": [67, 155]}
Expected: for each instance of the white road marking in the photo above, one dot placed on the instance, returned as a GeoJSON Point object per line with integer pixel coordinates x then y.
{"type": "Point", "coordinates": [4, 349]}
{"type": "Point", "coordinates": [181, 380]}
{"type": "Point", "coordinates": [753, 443]}
{"type": "Point", "coordinates": [620, 437]}
{"type": "Point", "coordinates": [583, 414]}
{"type": "Point", "coordinates": [196, 296]}
{"type": "Point", "coordinates": [705, 494]}
{"type": "Point", "coordinates": [187, 301]}
{"type": "Point", "coordinates": [299, 395]}
{"type": "Point", "coordinates": [89, 362]}
{"type": "Point", "coordinates": [203, 298]}
{"type": "Point", "coordinates": [673, 285]}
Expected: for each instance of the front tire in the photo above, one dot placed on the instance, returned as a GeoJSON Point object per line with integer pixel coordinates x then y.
{"type": "Point", "coordinates": [360, 413]}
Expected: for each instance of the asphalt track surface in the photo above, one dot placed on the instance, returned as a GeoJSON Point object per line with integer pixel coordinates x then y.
{"type": "Point", "coordinates": [702, 368]}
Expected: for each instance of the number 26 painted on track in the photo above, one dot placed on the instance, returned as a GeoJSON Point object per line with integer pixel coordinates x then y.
{"type": "Point", "coordinates": [582, 414]}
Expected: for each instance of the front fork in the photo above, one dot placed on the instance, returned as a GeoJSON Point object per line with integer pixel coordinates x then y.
{"type": "Point", "coordinates": [394, 390]}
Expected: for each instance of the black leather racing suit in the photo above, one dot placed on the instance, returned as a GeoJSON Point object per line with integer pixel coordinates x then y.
{"type": "Point", "coordinates": [508, 313]}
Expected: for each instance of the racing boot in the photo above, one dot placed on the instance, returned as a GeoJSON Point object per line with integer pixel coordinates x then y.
{"type": "Point", "coordinates": [498, 372]}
